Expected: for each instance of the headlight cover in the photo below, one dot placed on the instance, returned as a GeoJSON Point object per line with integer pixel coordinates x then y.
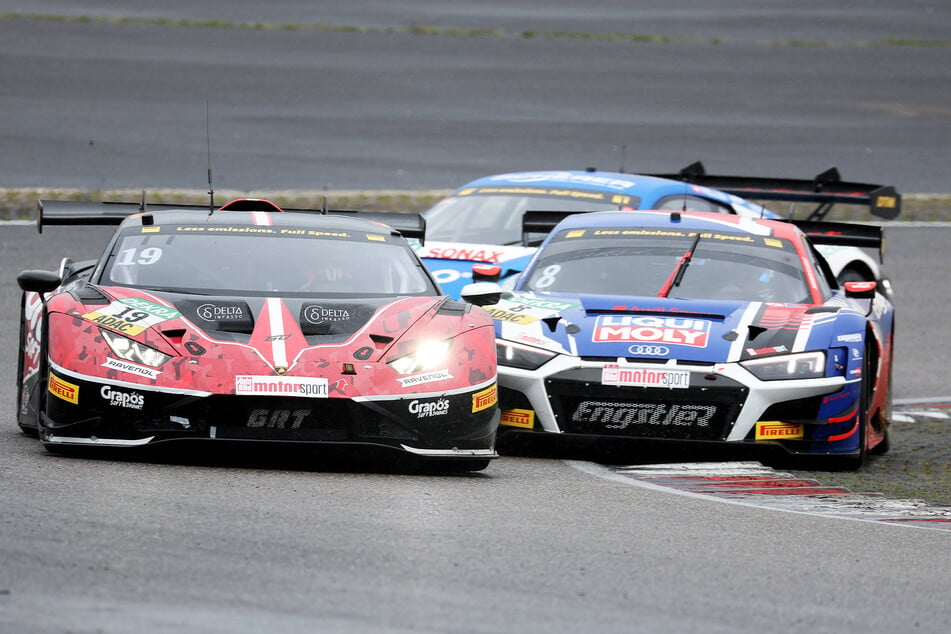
{"type": "Point", "coordinates": [429, 355]}
{"type": "Point", "coordinates": [514, 355]}
{"type": "Point", "coordinates": [804, 365]}
{"type": "Point", "coordinates": [133, 351]}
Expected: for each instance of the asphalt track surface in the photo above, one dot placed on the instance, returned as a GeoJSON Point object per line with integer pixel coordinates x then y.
{"type": "Point", "coordinates": [249, 542]}
{"type": "Point", "coordinates": [787, 89]}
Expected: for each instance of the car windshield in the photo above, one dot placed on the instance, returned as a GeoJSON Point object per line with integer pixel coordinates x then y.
{"type": "Point", "coordinates": [213, 259]}
{"type": "Point", "coordinates": [497, 218]}
{"type": "Point", "coordinates": [646, 261]}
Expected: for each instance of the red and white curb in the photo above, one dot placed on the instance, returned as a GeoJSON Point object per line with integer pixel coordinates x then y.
{"type": "Point", "coordinates": [753, 484]}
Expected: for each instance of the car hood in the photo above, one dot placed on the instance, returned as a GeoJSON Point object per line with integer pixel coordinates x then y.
{"type": "Point", "coordinates": [210, 339]}
{"type": "Point", "coordinates": [659, 328]}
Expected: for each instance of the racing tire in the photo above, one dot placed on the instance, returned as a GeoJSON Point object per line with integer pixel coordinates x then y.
{"type": "Point", "coordinates": [851, 274]}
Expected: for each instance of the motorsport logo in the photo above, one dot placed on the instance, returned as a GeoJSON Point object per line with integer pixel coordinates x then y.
{"type": "Point", "coordinates": [682, 331]}
{"type": "Point", "coordinates": [613, 374]}
{"type": "Point", "coordinates": [306, 387]}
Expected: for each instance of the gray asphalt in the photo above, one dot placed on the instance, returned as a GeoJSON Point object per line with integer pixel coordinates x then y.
{"type": "Point", "coordinates": [756, 91]}
{"type": "Point", "coordinates": [239, 543]}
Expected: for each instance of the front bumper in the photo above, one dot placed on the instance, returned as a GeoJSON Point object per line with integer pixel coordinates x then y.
{"type": "Point", "coordinates": [460, 424]}
{"type": "Point", "coordinates": [723, 403]}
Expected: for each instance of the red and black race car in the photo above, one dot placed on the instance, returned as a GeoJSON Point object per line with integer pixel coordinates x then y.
{"type": "Point", "coordinates": [252, 323]}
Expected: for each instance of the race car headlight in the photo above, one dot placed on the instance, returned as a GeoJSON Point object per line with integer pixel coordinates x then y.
{"type": "Point", "coordinates": [513, 355]}
{"type": "Point", "coordinates": [133, 351]}
{"type": "Point", "coordinates": [805, 365]}
{"type": "Point", "coordinates": [429, 355]}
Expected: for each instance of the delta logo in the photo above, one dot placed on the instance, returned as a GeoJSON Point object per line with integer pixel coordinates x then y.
{"type": "Point", "coordinates": [776, 430]}
{"type": "Point", "coordinates": [681, 331]}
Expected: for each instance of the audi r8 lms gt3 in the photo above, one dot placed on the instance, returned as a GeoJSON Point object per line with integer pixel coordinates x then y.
{"type": "Point", "coordinates": [476, 232]}
{"type": "Point", "coordinates": [250, 323]}
{"type": "Point", "coordinates": [697, 328]}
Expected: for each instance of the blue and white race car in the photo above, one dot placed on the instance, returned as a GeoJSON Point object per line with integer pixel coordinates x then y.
{"type": "Point", "coordinates": [698, 328]}
{"type": "Point", "coordinates": [478, 227]}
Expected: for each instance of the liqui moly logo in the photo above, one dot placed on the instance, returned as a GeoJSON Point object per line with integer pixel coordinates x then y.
{"type": "Point", "coordinates": [680, 331]}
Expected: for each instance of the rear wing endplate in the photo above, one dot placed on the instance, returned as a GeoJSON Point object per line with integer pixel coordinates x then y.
{"type": "Point", "coordinates": [71, 212]}
{"type": "Point", "coordinates": [844, 234]}
{"type": "Point", "coordinates": [826, 189]}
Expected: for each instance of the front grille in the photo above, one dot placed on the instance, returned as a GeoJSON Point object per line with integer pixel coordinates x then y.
{"type": "Point", "coordinates": [705, 411]}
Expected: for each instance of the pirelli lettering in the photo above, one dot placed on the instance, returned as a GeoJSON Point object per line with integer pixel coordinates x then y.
{"type": "Point", "coordinates": [484, 399]}
{"type": "Point", "coordinates": [63, 389]}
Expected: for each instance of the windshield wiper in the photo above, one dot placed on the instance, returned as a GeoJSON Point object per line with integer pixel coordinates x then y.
{"type": "Point", "coordinates": [678, 275]}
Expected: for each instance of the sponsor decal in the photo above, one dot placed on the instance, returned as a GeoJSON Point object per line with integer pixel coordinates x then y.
{"type": "Point", "coordinates": [577, 233]}
{"type": "Point", "coordinates": [758, 351]}
{"type": "Point", "coordinates": [130, 368]}
{"type": "Point", "coordinates": [163, 312]}
{"type": "Point", "coordinates": [455, 253]}
{"type": "Point", "coordinates": [523, 418]}
{"type": "Point", "coordinates": [505, 315]}
{"type": "Point", "coordinates": [854, 337]}
{"type": "Point", "coordinates": [773, 242]}
{"type": "Point", "coordinates": [129, 317]}
{"type": "Point", "coordinates": [425, 377]}
{"type": "Point", "coordinates": [622, 415]}
{"type": "Point", "coordinates": [681, 331]}
{"type": "Point", "coordinates": [306, 387]}
{"type": "Point", "coordinates": [613, 374]}
{"type": "Point", "coordinates": [545, 304]}
{"type": "Point", "coordinates": [63, 389]}
{"type": "Point", "coordinates": [375, 237]}
{"type": "Point", "coordinates": [32, 313]}
{"type": "Point", "coordinates": [645, 350]}
{"type": "Point", "coordinates": [277, 418]}
{"type": "Point", "coordinates": [777, 430]}
{"type": "Point", "coordinates": [426, 409]}
{"type": "Point", "coordinates": [219, 312]}
{"type": "Point", "coordinates": [118, 398]}
{"type": "Point", "coordinates": [485, 399]}
{"type": "Point", "coordinates": [315, 314]}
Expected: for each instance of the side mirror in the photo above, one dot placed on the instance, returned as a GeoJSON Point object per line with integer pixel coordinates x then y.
{"type": "Point", "coordinates": [861, 290]}
{"type": "Point", "coordinates": [481, 293]}
{"type": "Point", "coordinates": [37, 281]}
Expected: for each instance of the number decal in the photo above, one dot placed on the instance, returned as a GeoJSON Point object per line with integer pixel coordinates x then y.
{"type": "Point", "coordinates": [148, 255]}
{"type": "Point", "coordinates": [549, 273]}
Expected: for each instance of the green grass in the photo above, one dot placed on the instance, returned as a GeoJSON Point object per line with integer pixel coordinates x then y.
{"type": "Point", "coordinates": [453, 31]}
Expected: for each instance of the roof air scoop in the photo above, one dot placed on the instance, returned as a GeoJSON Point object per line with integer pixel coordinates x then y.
{"type": "Point", "coordinates": [250, 204]}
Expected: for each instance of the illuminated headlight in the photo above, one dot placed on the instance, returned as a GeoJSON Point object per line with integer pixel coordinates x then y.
{"type": "Point", "coordinates": [517, 356]}
{"type": "Point", "coordinates": [133, 351]}
{"type": "Point", "coordinates": [430, 355]}
{"type": "Point", "coordinates": [805, 365]}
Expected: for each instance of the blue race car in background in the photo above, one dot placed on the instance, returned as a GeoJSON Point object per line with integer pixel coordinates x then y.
{"type": "Point", "coordinates": [478, 227]}
{"type": "Point", "coordinates": [701, 329]}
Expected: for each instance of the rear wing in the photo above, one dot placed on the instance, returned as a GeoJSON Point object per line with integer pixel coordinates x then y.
{"type": "Point", "coordinates": [844, 234]}
{"type": "Point", "coordinates": [825, 189]}
{"type": "Point", "coordinates": [70, 212]}
{"type": "Point", "coordinates": [541, 222]}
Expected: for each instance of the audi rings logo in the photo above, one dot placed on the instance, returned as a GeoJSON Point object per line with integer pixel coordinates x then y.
{"type": "Point", "coordinates": [640, 350]}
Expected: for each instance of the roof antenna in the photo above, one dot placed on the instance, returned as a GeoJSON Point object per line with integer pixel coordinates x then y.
{"type": "Point", "coordinates": [211, 190]}
{"type": "Point", "coordinates": [323, 211]}
{"type": "Point", "coordinates": [623, 156]}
